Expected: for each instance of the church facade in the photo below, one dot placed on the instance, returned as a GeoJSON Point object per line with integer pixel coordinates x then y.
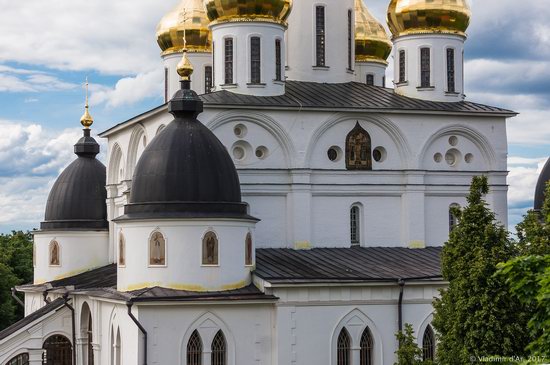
{"type": "Point", "coordinates": [282, 207]}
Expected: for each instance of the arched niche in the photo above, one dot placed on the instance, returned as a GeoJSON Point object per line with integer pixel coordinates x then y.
{"type": "Point", "coordinates": [138, 142]}
{"type": "Point", "coordinates": [116, 165]}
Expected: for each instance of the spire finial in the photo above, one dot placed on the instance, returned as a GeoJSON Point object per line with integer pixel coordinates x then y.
{"type": "Point", "coordinates": [86, 119]}
{"type": "Point", "coordinates": [184, 68]}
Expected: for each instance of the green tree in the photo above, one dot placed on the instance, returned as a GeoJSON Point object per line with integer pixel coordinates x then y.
{"type": "Point", "coordinates": [15, 268]}
{"type": "Point", "coordinates": [529, 276]}
{"type": "Point", "coordinates": [408, 352]}
{"type": "Point", "coordinates": [476, 315]}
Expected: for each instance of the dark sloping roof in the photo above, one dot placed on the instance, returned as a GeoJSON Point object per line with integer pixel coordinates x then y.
{"type": "Point", "coordinates": [358, 264]}
{"type": "Point", "coordinates": [350, 95]}
{"type": "Point", "coordinates": [103, 277]}
{"type": "Point", "coordinates": [56, 304]}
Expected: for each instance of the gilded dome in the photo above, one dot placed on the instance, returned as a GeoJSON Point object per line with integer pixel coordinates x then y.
{"type": "Point", "coordinates": [276, 11]}
{"type": "Point", "coordinates": [190, 16]}
{"type": "Point", "coordinates": [428, 16]}
{"type": "Point", "coordinates": [371, 40]}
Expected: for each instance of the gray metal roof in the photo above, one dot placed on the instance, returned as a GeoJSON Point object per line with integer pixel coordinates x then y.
{"type": "Point", "coordinates": [50, 307]}
{"type": "Point", "coordinates": [341, 265]}
{"type": "Point", "coordinates": [350, 95]}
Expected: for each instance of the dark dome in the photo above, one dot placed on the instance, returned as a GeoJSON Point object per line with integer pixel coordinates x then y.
{"type": "Point", "coordinates": [185, 171]}
{"type": "Point", "coordinates": [78, 197]}
{"type": "Point", "coordinates": [544, 177]}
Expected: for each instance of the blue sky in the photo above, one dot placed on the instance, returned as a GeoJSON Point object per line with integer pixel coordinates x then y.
{"type": "Point", "coordinates": [48, 48]}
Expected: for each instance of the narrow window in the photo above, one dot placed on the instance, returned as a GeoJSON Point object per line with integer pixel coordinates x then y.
{"type": "Point", "coordinates": [121, 250]}
{"type": "Point", "coordinates": [350, 41]}
{"type": "Point", "coordinates": [255, 62]}
{"type": "Point", "coordinates": [89, 345]}
{"type": "Point", "coordinates": [425, 67]}
{"type": "Point", "coordinates": [370, 79]}
{"type": "Point", "coordinates": [355, 225]}
{"type": "Point", "coordinates": [402, 63]}
{"type": "Point", "coordinates": [166, 96]}
{"type": "Point", "coordinates": [157, 249]}
{"type": "Point", "coordinates": [210, 249]}
{"type": "Point", "coordinates": [358, 149]}
{"type": "Point", "coordinates": [383, 81]}
{"type": "Point", "coordinates": [54, 253]}
{"type": "Point", "coordinates": [248, 249]}
{"type": "Point", "coordinates": [228, 61]}
{"type": "Point", "coordinates": [194, 349]}
{"type": "Point", "coordinates": [366, 357]}
{"type": "Point", "coordinates": [343, 351]}
{"type": "Point", "coordinates": [450, 70]}
{"type": "Point", "coordinates": [428, 344]}
{"type": "Point", "coordinates": [320, 36]}
{"type": "Point", "coordinates": [21, 359]}
{"type": "Point", "coordinates": [453, 218]}
{"type": "Point", "coordinates": [219, 349]}
{"type": "Point", "coordinates": [278, 61]}
{"type": "Point", "coordinates": [207, 79]}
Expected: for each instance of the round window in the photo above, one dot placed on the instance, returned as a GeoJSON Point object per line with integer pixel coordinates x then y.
{"type": "Point", "coordinates": [438, 157]}
{"type": "Point", "coordinates": [469, 158]}
{"type": "Point", "coordinates": [379, 154]}
{"type": "Point", "coordinates": [453, 140]}
{"type": "Point", "coordinates": [240, 130]}
{"type": "Point", "coordinates": [334, 153]}
{"type": "Point", "coordinates": [238, 153]}
{"type": "Point", "coordinates": [261, 152]}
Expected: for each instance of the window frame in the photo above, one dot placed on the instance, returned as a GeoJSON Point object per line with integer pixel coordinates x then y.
{"type": "Point", "coordinates": [229, 64]}
{"type": "Point", "coordinates": [278, 60]}
{"type": "Point", "coordinates": [150, 265]}
{"type": "Point", "coordinates": [451, 70]}
{"type": "Point", "coordinates": [121, 260]}
{"type": "Point", "coordinates": [425, 67]}
{"type": "Point", "coordinates": [346, 357]}
{"type": "Point", "coordinates": [350, 39]}
{"type": "Point", "coordinates": [370, 76]}
{"type": "Point", "coordinates": [195, 335]}
{"type": "Point", "coordinates": [50, 249]}
{"type": "Point", "coordinates": [358, 163]}
{"type": "Point", "coordinates": [217, 248]}
{"type": "Point", "coordinates": [453, 219]}
{"type": "Point", "coordinates": [320, 36]}
{"type": "Point", "coordinates": [255, 59]}
{"type": "Point", "coordinates": [224, 351]}
{"type": "Point", "coordinates": [428, 349]}
{"type": "Point", "coordinates": [355, 225]}
{"type": "Point", "coordinates": [366, 354]}
{"type": "Point", "coordinates": [248, 241]}
{"type": "Point", "coordinates": [208, 90]}
{"type": "Point", "coordinates": [402, 69]}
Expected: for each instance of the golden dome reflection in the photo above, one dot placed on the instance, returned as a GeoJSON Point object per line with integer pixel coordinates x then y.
{"type": "Point", "coordinates": [191, 16]}
{"type": "Point", "coordinates": [371, 40]}
{"type": "Point", "coordinates": [275, 11]}
{"type": "Point", "coordinates": [428, 16]}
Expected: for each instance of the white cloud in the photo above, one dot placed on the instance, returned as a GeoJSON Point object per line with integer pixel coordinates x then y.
{"type": "Point", "coordinates": [23, 80]}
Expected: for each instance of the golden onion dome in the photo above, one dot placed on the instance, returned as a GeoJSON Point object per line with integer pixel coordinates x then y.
{"type": "Point", "coordinates": [372, 43]}
{"type": "Point", "coordinates": [428, 16]}
{"type": "Point", "coordinates": [190, 16]}
{"type": "Point", "coordinates": [275, 11]}
{"type": "Point", "coordinates": [185, 68]}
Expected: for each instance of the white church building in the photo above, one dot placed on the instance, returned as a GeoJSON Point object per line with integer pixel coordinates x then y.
{"type": "Point", "coordinates": [285, 206]}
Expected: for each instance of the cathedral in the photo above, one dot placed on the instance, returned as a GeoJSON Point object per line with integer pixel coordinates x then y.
{"type": "Point", "coordinates": [286, 205]}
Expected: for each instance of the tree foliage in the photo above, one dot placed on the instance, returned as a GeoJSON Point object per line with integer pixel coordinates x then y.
{"type": "Point", "coordinates": [476, 315]}
{"type": "Point", "coordinates": [15, 268]}
{"type": "Point", "coordinates": [408, 352]}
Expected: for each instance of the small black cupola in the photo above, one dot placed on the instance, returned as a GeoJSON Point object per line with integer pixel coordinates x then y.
{"type": "Point", "coordinates": [77, 200]}
{"type": "Point", "coordinates": [544, 178]}
{"type": "Point", "coordinates": [185, 172]}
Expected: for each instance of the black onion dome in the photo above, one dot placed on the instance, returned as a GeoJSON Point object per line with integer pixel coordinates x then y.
{"type": "Point", "coordinates": [544, 177]}
{"type": "Point", "coordinates": [78, 197]}
{"type": "Point", "coordinates": [185, 172]}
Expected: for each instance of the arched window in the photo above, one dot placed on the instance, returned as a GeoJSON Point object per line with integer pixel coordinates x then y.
{"type": "Point", "coordinates": [54, 254]}
{"type": "Point", "coordinates": [278, 61]}
{"type": "Point", "coordinates": [207, 79]}
{"type": "Point", "coordinates": [343, 350]}
{"type": "Point", "coordinates": [58, 350]}
{"type": "Point", "coordinates": [402, 66]}
{"type": "Point", "coordinates": [355, 225]}
{"type": "Point", "coordinates": [425, 77]}
{"type": "Point", "coordinates": [219, 349]}
{"type": "Point", "coordinates": [157, 249]}
{"type": "Point", "coordinates": [428, 344]}
{"type": "Point", "coordinates": [370, 79]}
{"type": "Point", "coordinates": [350, 40]}
{"type": "Point", "coordinates": [450, 70]}
{"type": "Point", "coordinates": [248, 249]}
{"type": "Point", "coordinates": [255, 60]}
{"type": "Point", "coordinates": [366, 357]}
{"type": "Point", "coordinates": [121, 250]}
{"type": "Point", "coordinates": [210, 249]}
{"type": "Point", "coordinates": [320, 36]}
{"type": "Point", "coordinates": [228, 61]}
{"type": "Point", "coordinates": [118, 346]}
{"type": "Point", "coordinates": [453, 218]}
{"type": "Point", "coordinates": [89, 344]}
{"type": "Point", "coordinates": [358, 149]}
{"type": "Point", "coordinates": [21, 359]}
{"type": "Point", "coordinates": [194, 349]}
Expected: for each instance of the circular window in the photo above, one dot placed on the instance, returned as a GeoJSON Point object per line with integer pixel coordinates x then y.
{"type": "Point", "coordinates": [261, 152]}
{"type": "Point", "coordinates": [240, 130]}
{"type": "Point", "coordinates": [453, 140]}
{"type": "Point", "coordinates": [452, 157]}
{"type": "Point", "coordinates": [379, 154]}
{"type": "Point", "coordinates": [469, 158]}
{"type": "Point", "coordinates": [334, 153]}
{"type": "Point", "coordinates": [438, 157]}
{"type": "Point", "coordinates": [238, 153]}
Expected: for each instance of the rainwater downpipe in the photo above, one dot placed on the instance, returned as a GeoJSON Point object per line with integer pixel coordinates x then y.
{"type": "Point", "coordinates": [141, 328]}
{"type": "Point", "coordinates": [401, 284]}
{"type": "Point", "coordinates": [71, 308]}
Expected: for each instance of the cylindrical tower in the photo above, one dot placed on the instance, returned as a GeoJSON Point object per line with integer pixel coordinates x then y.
{"type": "Point", "coordinates": [248, 45]}
{"type": "Point", "coordinates": [320, 41]}
{"type": "Point", "coordinates": [187, 21]}
{"type": "Point", "coordinates": [185, 226]}
{"type": "Point", "coordinates": [372, 47]}
{"type": "Point", "coordinates": [429, 41]}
